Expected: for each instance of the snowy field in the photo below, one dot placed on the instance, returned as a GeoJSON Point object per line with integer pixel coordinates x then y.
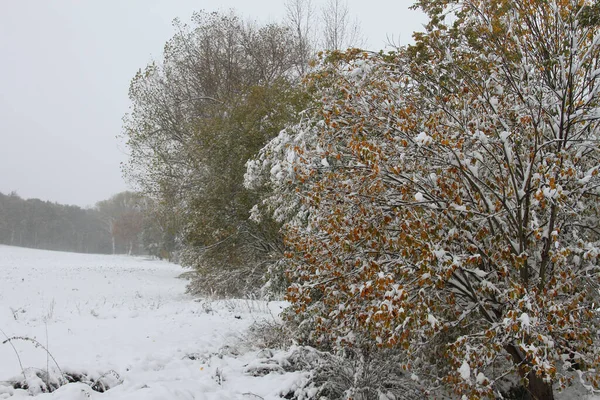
{"type": "Point", "coordinates": [125, 322]}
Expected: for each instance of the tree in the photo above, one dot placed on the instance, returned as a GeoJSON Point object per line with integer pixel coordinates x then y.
{"type": "Point", "coordinates": [224, 88]}
{"type": "Point", "coordinates": [339, 33]}
{"type": "Point", "coordinates": [122, 215]}
{"type": "Point", "coordinates": [442, 201]}
{"type": "Point", "coordinates": [160, 231]}
{"type": "Point", "coordinates": [300, 15]}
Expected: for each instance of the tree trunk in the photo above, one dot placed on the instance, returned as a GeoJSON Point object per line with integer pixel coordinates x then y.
{"type": "Point", "coordinates": [537, 388]}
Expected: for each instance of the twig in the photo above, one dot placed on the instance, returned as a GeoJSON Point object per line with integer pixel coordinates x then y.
{"type": "Point", "coordinates": [16, 353]}
{"type": "Point", "coordinates": [47, 358]}
{"type": "Point", "coordinates": [36, 344]}
{"type": "Point", "coordinates": [252, 394]}
{"type": "Point", "coordinates": [98, 381]}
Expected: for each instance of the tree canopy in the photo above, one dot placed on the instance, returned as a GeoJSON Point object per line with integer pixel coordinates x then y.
{"type": "Point", "coordinates": [224, 88]}
{"type": "Point", "coordinates": [442, 200]}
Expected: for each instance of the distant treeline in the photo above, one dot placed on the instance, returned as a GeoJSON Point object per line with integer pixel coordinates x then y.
{"type": "Point", "coordinates": [113, 226]}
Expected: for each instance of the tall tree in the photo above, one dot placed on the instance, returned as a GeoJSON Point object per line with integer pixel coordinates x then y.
{"type": "Point", "coordinates": [122, 216]}
{"type": "Point", "coordinates": [300, 15]}
{"type": "Point", "coordinates": [339, 31]}
{"type": "Point", "coordinates": [224, 88]}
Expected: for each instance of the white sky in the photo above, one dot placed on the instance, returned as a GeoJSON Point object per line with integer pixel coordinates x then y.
{"type": "Point", "coordinates": [65, 67]}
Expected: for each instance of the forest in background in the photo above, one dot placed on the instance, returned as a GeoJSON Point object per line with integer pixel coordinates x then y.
{"type": "Point", "coordinates": [119, 225]}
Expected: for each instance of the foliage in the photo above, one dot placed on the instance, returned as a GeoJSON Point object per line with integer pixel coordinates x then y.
{"type": "Point", "coordinates": [442, 201]}
{"type": "Point", "coordinates": [159, 231]}
{"type": "Point", "coordinates": [224, 88]}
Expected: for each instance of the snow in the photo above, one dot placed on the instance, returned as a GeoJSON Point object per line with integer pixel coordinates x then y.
{"type": "Point", "coordinates": [432, 321]}
{"type": "Point", "coordinates": [130, 317]}
{"type": "Point", "coordinates": [465, 371]}
{"type": "Point", "coordinates": [481, 379]}
{"type": "Point", "coordinates": [525, 321]}
{"type": "Point", "coordinates": [423, 139]}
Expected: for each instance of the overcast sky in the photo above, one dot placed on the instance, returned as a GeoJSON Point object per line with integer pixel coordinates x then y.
{"type": "Point", "coordinates": [65, 70]}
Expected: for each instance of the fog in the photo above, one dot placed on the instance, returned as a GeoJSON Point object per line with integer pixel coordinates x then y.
{"type": "Point", "coordinates": [65, 74]}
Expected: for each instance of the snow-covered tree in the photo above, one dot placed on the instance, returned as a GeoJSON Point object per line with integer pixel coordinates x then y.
{"type": "Point", "coordinates": [443, 201]}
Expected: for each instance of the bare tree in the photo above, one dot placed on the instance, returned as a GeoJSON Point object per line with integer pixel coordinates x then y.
{"type": "Point", "coordinates": [339, 32]}
{"type": "Point", "coordinates": [300, 15]}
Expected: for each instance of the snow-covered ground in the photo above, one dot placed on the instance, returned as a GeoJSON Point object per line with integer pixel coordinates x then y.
{"type": "Point", "coordinates": [129, 321]}
{"type": "Point", "coordinates": [127, 317]}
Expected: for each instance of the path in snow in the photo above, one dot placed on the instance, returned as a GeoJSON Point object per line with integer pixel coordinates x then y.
{"type": "Point", "coordinates": [130, 315]}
